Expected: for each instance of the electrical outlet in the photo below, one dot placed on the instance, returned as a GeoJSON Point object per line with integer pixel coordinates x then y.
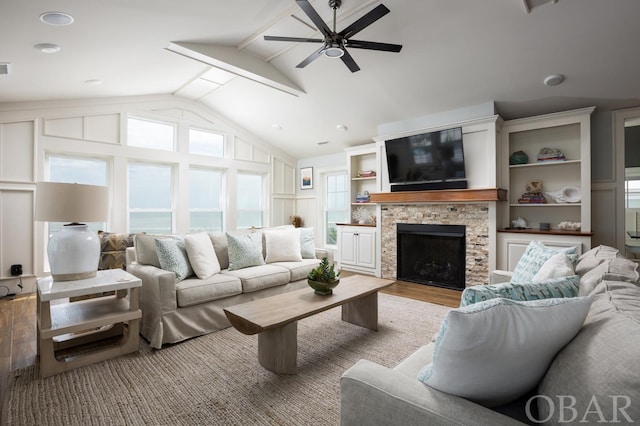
{"type": "Point", "coordinates": [16, 270]}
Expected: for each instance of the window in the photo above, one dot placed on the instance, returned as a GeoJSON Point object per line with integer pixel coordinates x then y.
{"type": "Point", "coordinates": [150, 206]}
{"type": "Point", "coordinates": [205, 200]}
{"type": "Point", "coordinates": [83, 170]}
{"type": "Point", "coordinates": [336, 206]}
{"type": "Point", "coordinates": [250, 201]}
{"type": "Point", "coordinates": [150, 134]}
{"type": "Point", "coordinates": [206, 143]}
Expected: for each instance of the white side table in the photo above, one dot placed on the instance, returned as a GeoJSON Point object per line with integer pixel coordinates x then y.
{"type": "Point", "coordinates": [64, 325]}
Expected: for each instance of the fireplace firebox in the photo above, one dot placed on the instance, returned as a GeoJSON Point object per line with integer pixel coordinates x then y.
{"type": "Point", "coordinates": [432, 254]}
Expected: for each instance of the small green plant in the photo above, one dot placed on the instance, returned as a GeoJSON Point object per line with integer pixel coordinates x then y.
{"type": "Point", "coordinates": [324, 272]}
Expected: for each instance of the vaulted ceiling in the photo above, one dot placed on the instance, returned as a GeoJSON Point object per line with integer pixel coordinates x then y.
{"type": "Point", "coordinates": [456, 53]}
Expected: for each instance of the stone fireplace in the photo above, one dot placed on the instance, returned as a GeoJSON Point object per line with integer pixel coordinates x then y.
{"type": "Point", "coordinates": [473, 216]}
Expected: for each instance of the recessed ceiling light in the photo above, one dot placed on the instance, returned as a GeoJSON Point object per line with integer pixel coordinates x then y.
{"type": "Point", "coordinates": [56, 18]}
{"type": "Point", "coordinates": [47, 47]}
{"type": "Point", "coordinates": [94, 82]}
{"type": "Point", "coordinates": [323, 143]}
{"type": "Point", "coordinates": [553, 79]}
{"type": "Point", "coordinates": [342, 127]}
{"type": "Point", "coordinates": [276, 126]}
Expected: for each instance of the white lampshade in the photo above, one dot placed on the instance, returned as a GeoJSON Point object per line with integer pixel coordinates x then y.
{"type": "Point", "coordinates": [74, 252]}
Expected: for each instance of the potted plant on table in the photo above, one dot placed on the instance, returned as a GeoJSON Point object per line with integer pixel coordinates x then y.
{"type": "Point", "coordinates": [323, 278]}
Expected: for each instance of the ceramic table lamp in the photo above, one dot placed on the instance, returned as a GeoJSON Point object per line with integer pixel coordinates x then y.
{"type": "Point", "coordinates": [74, 252]}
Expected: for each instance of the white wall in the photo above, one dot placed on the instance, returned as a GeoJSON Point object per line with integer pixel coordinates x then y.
{"type": "Point", "coordinates": [97, 127]}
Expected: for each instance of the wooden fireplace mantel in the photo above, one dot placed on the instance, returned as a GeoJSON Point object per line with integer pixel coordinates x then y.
{"type": "Point", "coordinates": [445, 195]}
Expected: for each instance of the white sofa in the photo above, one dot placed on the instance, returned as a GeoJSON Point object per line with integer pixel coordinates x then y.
{"type": "Point", "coordinates": [174, 311]}
{"type": "Point", "coordinates": [599, 362]}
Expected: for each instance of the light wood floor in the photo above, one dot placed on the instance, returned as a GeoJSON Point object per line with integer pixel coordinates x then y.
{"type": "Point", "coordinates": [18, 325]}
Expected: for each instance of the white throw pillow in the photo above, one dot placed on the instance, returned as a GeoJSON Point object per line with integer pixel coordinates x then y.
{"type": "Point", "coordinates": [282, 245]}
{"type": "Point", "coordinates": [556, 266]}
{"type": "Point", "coordinates": [202, 255]}
{"type": "Point", "coordinates": [494, 352]}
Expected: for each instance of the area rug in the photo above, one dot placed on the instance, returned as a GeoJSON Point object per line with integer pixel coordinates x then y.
{"type": "Point", "coordinates": [216, 379]}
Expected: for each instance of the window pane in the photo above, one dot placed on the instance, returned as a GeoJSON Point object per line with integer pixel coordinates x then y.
{"type": "Point", "coordinates": [206, 143]}
{"type": "Point", "coordinates": [249, 191]}
{"type": "Point", "coordinates": [247, 219]}
{"type": "Point", "coordinates": [205, 188]}
{"type": "Point", "coordinates": [87, 171]}
{"type": "Point", "coordinates": [150, 222]}
{"type": "Point", "coordinates": [336, 210]}
{"type": "Point", "coordinates": [205, 200]}
{"type": "Point", "coordinates": [205, 221]}
{"type": "Point", "coordinates": [149, 186]}
{"type": "Point", "coordinates": [150, 134]}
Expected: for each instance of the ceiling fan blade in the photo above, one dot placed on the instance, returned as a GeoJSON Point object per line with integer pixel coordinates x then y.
{"type": "Point", "coordinates": [349, 62]}
{"type": "Point", "coordinates": [387, 47]}
{"type": "Point", "coordinates": [365, 21]}
{"type": "Point", "coordinates": [311, 58]}
{"type": "Point", "coordinates": [297, 39]}
{"type": "Point", "coordinates": [315, 18]}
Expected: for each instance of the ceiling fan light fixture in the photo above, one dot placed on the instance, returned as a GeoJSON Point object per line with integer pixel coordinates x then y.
{"type": "Point", "coordinates": [334, 52]}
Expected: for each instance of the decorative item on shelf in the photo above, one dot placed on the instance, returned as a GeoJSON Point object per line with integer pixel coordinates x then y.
{"type": "Point", "coordinates": [569, 226]}
{"type": "Point", "coordinates": [296, 221]}
{"type": "Point", "coordinates": [569, 194]}
{"type": "Point", "coordinates": [362, 215]}
{"type": "Point", "coordinates": [366, 173]}
{"type": "Point", "coordinates": [363, 197]}
{"type": "Point", "coordinates": [550, 154]}
{"type": "Point", "coordinates": [545, 226]}
{"type": "Point", "coordinates": [533, 194]}
{"type": "Point", "coordinates": [324, 278]}
{"type": "Point", "coordinates": [519, 223]}
{"type": "Point", "coordinates": [518, 157]}
{"type": "Point", "coordinates": [74, 251]}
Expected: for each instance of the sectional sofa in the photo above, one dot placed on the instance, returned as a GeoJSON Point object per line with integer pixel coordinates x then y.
{"type": "Point", "coordinates": [544, 358]}
{"type": "Point", "coordinates": [188, 280]}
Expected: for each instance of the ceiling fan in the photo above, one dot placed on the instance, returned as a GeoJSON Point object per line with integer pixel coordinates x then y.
{"type": "Point", "coordinates": [334, 43]}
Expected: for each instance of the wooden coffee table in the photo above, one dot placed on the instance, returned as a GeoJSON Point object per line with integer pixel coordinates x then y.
{"type": "Point", "coordinates": [275, 319]}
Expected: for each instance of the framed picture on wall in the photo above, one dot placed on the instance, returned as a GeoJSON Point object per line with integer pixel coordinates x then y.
{"type": "Point", "coordinates": [306, 178]}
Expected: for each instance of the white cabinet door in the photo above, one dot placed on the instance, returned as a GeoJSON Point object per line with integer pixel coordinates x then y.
{"type": "Point", "coordinates": [366, 254]}
{"type": "Point", "coordinates": [348, 246]}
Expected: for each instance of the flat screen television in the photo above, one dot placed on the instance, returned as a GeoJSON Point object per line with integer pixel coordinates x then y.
{"type": "Point", "coordinates": [435, 158]}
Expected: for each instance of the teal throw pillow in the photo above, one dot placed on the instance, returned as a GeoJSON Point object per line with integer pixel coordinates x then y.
{"type": "Point", "coordinates": [553, 287]}
{"type": "Point", "coordinates": [532, 260]}
{"type": "Point", "coordinates": [245, 250]}
{"type": "Point", "coordinates": [172, 255]}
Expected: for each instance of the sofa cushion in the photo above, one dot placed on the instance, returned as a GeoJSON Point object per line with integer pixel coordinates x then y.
{"type": "Point", "coordinates": [282, 245]}
{"type": "Point", "coordinates": [172, 255]}
{"type": "Point", "coordinates": [556, 266]}
{"type": "Point", "coordinates": [244, 250]}
{"type": "Point", "coordinates": [614, 269]}
{"type": "Point", "coordinates": [146, 249]}
{"type": "Point", "coordinates": [256, 278]}
{"type": "Point", "coordinates": [601, 362]}
{"type": "Point", "coordinates": [221, 246]}
{"type": "Point", "coordinates": [194, 291]}
{"type": "Point", "coordinates": [307, 243]}
{"type": "Point", "coordinates": [299, 270]}
{"type": "Point", "coordinates": [592, 258]}
{"type": "Point", "coordinates": [494, 352]}
{"type": "Point", "coordinates": [532, 260]}
{"type": "Point", "coordinates": [554, 287]}
{"type": "Point", "coordinates": [202, 255]}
